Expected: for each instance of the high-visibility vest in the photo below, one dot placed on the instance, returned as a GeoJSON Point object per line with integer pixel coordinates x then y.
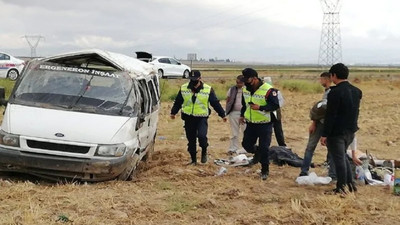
{"type": "Point", "coordinates": [258, 98]}
{"type": "Point", "coordinates": [199, 108]}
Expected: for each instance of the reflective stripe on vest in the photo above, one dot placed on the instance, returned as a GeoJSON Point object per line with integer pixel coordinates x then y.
{"type": "Point", "coordinates": [198, 108]}
{"type": "Point", "coordinates": [258, 98]}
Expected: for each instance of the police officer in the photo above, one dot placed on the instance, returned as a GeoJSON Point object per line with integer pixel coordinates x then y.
{"type": "Point", "coordinates": [194, 99]}
{"type": "Point", "coordinates": [259, 100]}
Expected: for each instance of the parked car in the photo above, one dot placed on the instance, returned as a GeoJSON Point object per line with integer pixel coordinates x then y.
{"type": "Point", "coordinates": [166, 66]}
{"type": "Point", "coordinates": [10, 67]}
{"type": "Point", "coordinates": [92, 116]}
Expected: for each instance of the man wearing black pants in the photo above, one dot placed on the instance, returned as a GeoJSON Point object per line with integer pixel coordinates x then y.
{"type": "Point", "coordinates": [193, 99]}
{"type": "Point", "coordinates": [259, 100]}
{"type": "Point", "coordinates": [340, 124]}
{"type": "Point", "coordinates": [277, 124]}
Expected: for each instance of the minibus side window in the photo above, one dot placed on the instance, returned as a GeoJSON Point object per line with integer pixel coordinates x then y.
{"type": "Point", "coordinates": [154, 98]}
{"type": "Point", "coordinates": [144, 92]}
{"type": "Point", "coordinates": [134, 101]}
{"type": "Point", "coordinates": [157, 86]}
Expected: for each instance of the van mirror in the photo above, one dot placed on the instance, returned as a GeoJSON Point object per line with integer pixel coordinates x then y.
{"type": "Point", "coordinates": [140, 121]}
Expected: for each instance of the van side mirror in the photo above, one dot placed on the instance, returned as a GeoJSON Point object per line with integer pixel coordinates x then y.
{"type": "Point", "coordinates": [140, 121]}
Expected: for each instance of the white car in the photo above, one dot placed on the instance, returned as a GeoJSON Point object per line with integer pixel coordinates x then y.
{"type": "Point", "coordinates": [170, 67]}
{"type": "Point", "coordinates": [10, 67]}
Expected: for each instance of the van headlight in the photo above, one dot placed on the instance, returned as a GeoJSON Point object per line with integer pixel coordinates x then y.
{"type": "Point", "coordinates": [9, 139]}
{"type": "Point", "coordinates": [111, 150]}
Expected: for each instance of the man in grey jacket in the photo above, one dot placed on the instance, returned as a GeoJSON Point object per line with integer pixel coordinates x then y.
{"type": "Point", "coordinates": [233, 107]}
{"type": "Point", "coordinates": [317, 114]}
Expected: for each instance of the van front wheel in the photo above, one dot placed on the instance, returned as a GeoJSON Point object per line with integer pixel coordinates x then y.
{"type": "Point", "coordinates": [127, 174]}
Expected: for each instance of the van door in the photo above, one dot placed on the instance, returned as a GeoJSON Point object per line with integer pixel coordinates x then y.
{"type": "Point", "coordinates": [155, 100]}
{"type": "Point", "coordinates": [145, 114]}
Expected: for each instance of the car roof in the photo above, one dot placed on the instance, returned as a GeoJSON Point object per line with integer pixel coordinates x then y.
{"type": "Point", "coordinates": [157, 57]}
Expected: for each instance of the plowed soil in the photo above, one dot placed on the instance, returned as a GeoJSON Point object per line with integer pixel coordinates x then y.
{"type": "Point", "coordinates": [166, 191]}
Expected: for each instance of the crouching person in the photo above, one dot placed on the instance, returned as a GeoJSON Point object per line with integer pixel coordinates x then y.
{"type": "Point", "coordinates": [194, 99]}
{"type": "Point", "coordinates": [259, 100]}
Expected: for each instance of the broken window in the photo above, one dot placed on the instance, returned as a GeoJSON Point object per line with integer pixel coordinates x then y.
{"type": "Point", "coordinates": [157, 86]}
{"type": "Point", "coordinates": [144, 93]}
{"type": "Point", "coordinates": [154, 98]}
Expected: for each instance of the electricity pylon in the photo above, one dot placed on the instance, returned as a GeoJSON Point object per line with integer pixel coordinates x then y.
{"type": "Point", "coordinates": [33, 41]}
{"type": "Point", "coordinates": [330, 49]}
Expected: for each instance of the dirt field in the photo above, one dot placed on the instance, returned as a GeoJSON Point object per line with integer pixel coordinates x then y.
{"type": "Point", "coordinates": [165, 191]}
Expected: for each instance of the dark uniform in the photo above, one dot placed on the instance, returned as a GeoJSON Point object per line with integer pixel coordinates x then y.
{"type": "Point", "coordinates": [194, 103]}
{"type": "Point", "coordinates": [259, 123]}
{"type": "Point", "coordinates": [277, 124]}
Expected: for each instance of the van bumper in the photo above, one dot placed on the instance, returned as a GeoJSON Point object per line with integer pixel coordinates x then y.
{"type": "Point", "coordinates": [56, 167]}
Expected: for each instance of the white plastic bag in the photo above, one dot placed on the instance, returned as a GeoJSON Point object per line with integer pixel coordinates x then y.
{"type": "Point", "coordinates": [388, 179]}
{"type": "Point", "coordinates": [360, 175]}
{"type": "Point", "coordinates": [312, 179]}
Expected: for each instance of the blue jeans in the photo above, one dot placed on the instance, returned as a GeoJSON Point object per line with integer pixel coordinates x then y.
{"type": "Point", "coordinates": [313, 141]}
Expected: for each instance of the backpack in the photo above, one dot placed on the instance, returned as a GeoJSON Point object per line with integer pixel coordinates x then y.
{"type": "Point", "coordinates": [318, 110]}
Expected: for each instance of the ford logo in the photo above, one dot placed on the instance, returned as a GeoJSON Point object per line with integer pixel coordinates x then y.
{"type": "Point", "coordinates": [59, 135]}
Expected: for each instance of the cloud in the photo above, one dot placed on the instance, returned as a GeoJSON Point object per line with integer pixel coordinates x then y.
{"type": "Point", "coordinates": [12, 41]}
{"type": "Point", "coordinates": [92, 41]}
{"type": "Point", "coordinates": [260, 30]}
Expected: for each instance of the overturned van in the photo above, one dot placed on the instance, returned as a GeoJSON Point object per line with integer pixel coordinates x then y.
{"type": "Point", "coordinates": [89, 115]}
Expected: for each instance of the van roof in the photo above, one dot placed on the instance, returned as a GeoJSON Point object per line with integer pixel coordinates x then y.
{"type": "Point", "coordinates": [135, 67]}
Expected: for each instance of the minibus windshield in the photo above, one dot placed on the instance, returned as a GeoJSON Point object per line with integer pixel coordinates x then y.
{"type": "Point", "coordinates": [72, 88]}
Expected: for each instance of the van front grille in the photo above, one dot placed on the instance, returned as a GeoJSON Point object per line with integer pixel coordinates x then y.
{"type": "Point", "coordinates": [57, 147]}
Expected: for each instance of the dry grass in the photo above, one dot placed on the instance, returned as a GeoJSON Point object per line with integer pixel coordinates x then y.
{"type": "Point", "coordinates": [166, 191]}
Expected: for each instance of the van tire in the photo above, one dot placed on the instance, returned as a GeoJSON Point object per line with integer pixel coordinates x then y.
{"type": "Point", "coordinates": [149, 152]}
{"type": "Point", "coordinates": [128, 173]}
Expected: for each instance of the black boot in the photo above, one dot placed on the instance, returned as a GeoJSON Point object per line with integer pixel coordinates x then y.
{"type": "Point", "coordinates": [352, 187]}
{"type": "Point", "coordinates": [193, 158]}
{"type": "Point", "coordinates": [264, 171]}
{"type": "Point", "coordinates": [203, 155]}
{"type": "Point", "coordinates": [255, 159]}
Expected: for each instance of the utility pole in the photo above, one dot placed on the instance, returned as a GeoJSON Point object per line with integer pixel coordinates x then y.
{"type": "Point", "coordinates": [33, 42]}
{"type": "Point", "coordinates": [330, 50]}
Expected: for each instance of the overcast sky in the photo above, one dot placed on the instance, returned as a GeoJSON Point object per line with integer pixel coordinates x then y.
{"type": "Point", "coordinates": [267, 31]}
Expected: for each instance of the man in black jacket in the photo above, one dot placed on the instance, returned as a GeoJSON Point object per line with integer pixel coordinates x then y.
{"type": "Point", "coordinates": [340, 124]}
